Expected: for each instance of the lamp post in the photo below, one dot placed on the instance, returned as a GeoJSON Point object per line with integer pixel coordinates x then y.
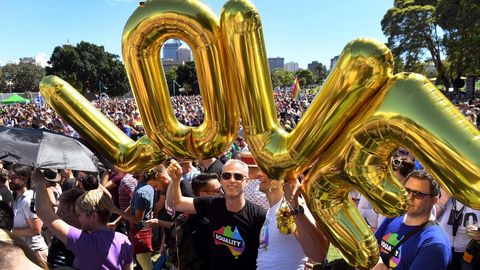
{"type": "Point", "coordinates": [173, 84]}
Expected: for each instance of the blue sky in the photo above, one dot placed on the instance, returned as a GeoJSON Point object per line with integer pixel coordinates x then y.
{"type": "Point", "coordinates": [299, 31]}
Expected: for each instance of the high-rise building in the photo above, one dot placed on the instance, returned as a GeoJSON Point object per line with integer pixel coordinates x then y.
{"type": "Point", "coordinates": [170, 50]}
{"type": "Point", "coordinates": [184, 54]}
{"type": "Point", "coordinates": [291, 66]}
{"type": "Point", "coordinates": [333, 61]}
{"type": "Point", "coordinates": [274, 63]}
{"type": "Point", "coordinates": [313, 66]}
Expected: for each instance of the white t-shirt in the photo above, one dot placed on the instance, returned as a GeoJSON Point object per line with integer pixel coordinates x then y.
{"type": "Point", "coordinates": [467, 215]}
{"type": "Point", "coordinates": [368, 213]}
{"type": "Point", "coordinates": [279, 251]}
{"type": "Point", "coordinates": [21, 209]}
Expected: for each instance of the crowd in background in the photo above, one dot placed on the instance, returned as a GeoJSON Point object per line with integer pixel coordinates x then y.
{"type": "Point", "coordinates": [188, 109]}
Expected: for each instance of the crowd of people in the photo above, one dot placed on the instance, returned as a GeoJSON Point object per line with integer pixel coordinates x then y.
{"type": "Point", "coordinates": [215, 213]}
{"type": "Point", "coordinates": [124, 113]}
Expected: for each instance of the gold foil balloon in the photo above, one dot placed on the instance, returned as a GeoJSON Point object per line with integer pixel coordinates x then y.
{"type": "Point", "coordinates": [362, 69]}
{"type": "Point", "coordinates": [145, 32]}
{"type": "Point", "coordinates": [340, 133]}
{"type": "Point", "coordinates": [348, 133]}
{"type": "Point", "coordinates": [91, 124]}
{"type": "Point", "coordinates": [408, 111]}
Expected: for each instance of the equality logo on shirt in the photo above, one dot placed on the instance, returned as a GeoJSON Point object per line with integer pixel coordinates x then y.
{"type": "Point", "coordinates": [389, 241]}
{"type": "Point", "coordinates": [231, 239]}
{"type": "Point", "coordinates": [264, 235]}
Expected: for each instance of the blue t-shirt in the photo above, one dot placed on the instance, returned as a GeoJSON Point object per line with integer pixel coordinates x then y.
{"type": "Point", "coordinates": [427, 249]}
{"type": "Point", "coordinates": [142, 199]}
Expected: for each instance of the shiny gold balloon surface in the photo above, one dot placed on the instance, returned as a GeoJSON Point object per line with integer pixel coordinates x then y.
{"type": "Point", "coordinates": [347, 135]}
{"type": "Point", "coordinates": [350, 131]}
{"type": "Point", "coordinates": [92, 125]}
{"type": "Point", "coordinates": [363, 68]}
{"type": "Point", "coordinates": [145, 32]}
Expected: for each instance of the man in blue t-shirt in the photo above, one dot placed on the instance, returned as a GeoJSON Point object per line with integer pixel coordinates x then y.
{"type": "Point", "coordinates": [426, 245]}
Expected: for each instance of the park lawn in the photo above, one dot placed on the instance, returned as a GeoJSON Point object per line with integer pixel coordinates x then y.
{"type": "Point", "coordinates": [333, 254]}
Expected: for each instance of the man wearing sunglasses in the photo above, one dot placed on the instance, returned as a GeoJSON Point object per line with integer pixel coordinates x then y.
{"type": "Point", "coordinates": [415, 240]}
{"type": "Point", "coordinates": [235, 222]}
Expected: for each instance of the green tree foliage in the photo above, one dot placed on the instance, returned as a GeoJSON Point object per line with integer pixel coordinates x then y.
{"type": "Point", "coordinates": [187, 78]}
{"type": "Point", "coordinates": [448, 28]}
{"type": "Point", "coordinates": [171, 75]}
{"type": "Point", "coordinates": [305, 77]}
{"type": "Point", "coordinates": [282, 78]}
{"type": "Point", "coordinates": [321, 72]}
{"type": "Point", "coordinates": [411, 29]}
{"type": "Point", "coordinates": [460, 20]}
{"type": "Point", "coordinates": [21, 77]}
{"type": "Point", "coordinates": [86, 65]}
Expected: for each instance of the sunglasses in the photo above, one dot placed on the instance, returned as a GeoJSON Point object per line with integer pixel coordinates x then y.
{"type": "Point", "coordinates": [236, 176]}
{"type": "Point", "coordinates": [417, 194]}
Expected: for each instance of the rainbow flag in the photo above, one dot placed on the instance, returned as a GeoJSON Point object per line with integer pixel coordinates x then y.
{"type": "Point", "coordinates": [296, 89]}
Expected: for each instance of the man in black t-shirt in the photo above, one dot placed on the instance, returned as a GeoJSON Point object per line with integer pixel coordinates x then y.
{"type": "Point", "coordinates": [235, 222]}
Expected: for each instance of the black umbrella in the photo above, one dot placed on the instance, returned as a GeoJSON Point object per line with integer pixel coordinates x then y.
{"type": "Point", "coordinates": [41, 148]}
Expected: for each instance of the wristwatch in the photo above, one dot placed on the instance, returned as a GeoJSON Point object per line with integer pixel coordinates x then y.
{"type": "Point", "coordinates": [298, 210]}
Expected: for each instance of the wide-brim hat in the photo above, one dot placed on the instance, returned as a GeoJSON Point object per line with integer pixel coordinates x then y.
{"type": "Point", "coordinates": [51, 175]}
{"type": "Point", "coordinates": [246, 156]}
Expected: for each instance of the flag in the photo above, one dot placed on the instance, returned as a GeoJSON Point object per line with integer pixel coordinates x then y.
{"type": "Point", "coordinates": [296, 89]}
{"type": "Point", "coordinates": [39, 100]}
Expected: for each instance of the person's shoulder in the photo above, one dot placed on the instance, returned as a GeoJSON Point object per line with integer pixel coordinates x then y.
{"type": "Point", "coordinates": [120, 237]}
{"type": "Point", "coordinates": [145, 189]}
{"type": "Point", "coordinates": [213, 200]}
{"type": "Point", "coordinates": [255, 208]}
{"type": "Point", "coordinates": [434, 232]}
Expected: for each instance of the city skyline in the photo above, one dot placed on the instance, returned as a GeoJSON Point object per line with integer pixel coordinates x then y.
{"type": "Point", "coordinates": [313, 31]}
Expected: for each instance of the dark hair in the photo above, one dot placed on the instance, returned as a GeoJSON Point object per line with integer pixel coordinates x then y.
{"type": "Point", "coordinates": [424, 175]}
{"type": "Point", "coordinates": [70, 196]}
{"type": "Point", "coordinates": [89, 181]}
{"type": "Point", "coordinates": [200, 181]}
{"type": "Point", "coordinates": [403, 165]}
{"type": "Point", "coordinates": [24, 172]}
{"type": "Point", "coordinates": [6, 216]}
{"type": "Point", "coordinates": [3, 178]}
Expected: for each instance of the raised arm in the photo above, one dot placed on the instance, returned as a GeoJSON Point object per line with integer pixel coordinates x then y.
{"type": "Point", "coordinates": [308, 234]}
{"type": "Point", "coordinates": [44, 210]}
{"type": "Point", "coordinates": [175, 199]}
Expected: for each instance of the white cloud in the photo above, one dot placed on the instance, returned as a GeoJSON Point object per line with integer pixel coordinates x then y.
{"type": "Point", "coordinates": [41, 59]}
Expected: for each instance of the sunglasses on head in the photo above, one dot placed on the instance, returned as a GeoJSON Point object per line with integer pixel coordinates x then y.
{"type": "Point", "coordinates": [236, 176]}
{"type": "Point", "coordinates": [418, 194]}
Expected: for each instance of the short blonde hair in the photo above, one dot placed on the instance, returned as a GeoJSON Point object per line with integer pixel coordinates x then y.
{"type": "Point", "coordinates": [95, 201]}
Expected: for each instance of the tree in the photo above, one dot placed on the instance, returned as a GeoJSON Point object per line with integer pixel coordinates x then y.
{"type": "Point", "coordinates": [282, 78]}
{"type": "Point", "coordinates": [170, 76]}
{"type": "Point", "coordinates": [88, 67]}
{"type": "Point", "coordinates": [305, 77]}
{"type": "Point", "coordinates": [21, 77]}
{"type": "Point", "coordinates": [411, 29]}
{"type": "Point", "coordinates": [460, 20]}
{"type": "Point", "coordinates": [187, 77]}
{"type": "Point", "coordinates": [322, 72]}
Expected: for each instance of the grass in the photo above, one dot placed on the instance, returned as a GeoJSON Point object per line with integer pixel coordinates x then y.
{"type": "Point", "coordinates": [333, 254]}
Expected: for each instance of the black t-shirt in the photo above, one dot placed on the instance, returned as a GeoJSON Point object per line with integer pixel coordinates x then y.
{"type": "Point", "coordinates": [235, 235]}
{"type": "Point", "coordinates": [6, 195]}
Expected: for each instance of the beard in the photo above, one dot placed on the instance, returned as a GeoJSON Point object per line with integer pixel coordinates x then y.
{"type": "Point", "coordinates": [16, 186]}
